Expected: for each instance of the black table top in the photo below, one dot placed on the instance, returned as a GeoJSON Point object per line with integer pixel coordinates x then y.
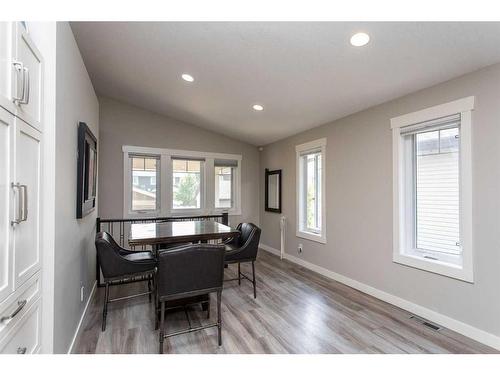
{"type": "Point", "coordinates": [179, 231]}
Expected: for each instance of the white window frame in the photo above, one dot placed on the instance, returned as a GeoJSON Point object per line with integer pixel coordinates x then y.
{"type": "Point", "coordinates": [317, 145]}
{"type": "Point", "coordinates": [127, 192]}
{"type": "Point", "coordinates": [401, 253]}
{"type": "Point", "coordinates": [233, 188]}
{"type": "Point", "coordinates": [203, 190]}
{"type": "Point", "coordinates": [165, 182]}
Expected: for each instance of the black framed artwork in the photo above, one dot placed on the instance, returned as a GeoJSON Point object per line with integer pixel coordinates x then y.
{"type": "Point", "coordinates": [273, 191]}
{"type": "Point", "coordinates": [86, 171]}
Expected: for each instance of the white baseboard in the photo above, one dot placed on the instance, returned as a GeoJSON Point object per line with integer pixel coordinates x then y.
{"type": "Point", "coordinates": [270, 249]}
{"type": "Point", "coordinates": [81, 318]}
{"type": "Point", "coordinates": [443, 320]}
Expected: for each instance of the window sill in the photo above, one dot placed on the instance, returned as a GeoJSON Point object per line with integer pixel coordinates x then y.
{"type": "Point", "coordinates": [311, 236]}
{"type": "Point", "coordinates": [141, 214]}
{"type": "Point", "coordinates": [435, 266]}
{"type": "Point", "coordinates": [230, 212]}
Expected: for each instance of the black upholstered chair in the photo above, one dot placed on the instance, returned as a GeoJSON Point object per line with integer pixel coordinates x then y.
{"type": "Point", "coordinates": [243, 249]}
{"type": "Point", "coordinates": [121, 266]}
{"type": "Point", "coordinates": [187, 272]}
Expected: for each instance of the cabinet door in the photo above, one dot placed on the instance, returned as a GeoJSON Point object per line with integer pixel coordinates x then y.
{"type": "Point", "coordinates": [8, 76]}
{"type": "Point", "coordinates": [6, 171]}
{"type": "Point", "coordinates": [30, 107]}
{"type": "Point", "coordinates": [27, 203]}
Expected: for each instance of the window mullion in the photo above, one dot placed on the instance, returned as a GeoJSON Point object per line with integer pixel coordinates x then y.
{"type": "Point", "coordinates": [316, 193]}
{"type": "Point", "coordinates": [209, 189]}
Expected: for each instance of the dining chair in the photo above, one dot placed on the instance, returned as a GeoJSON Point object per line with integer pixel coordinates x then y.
{"type": "Point", "coordinates": [243, 249]}
{"type": "Point", "coordinates": [121, 266]}
{"type": "Point", "coordinates": [186, 272]}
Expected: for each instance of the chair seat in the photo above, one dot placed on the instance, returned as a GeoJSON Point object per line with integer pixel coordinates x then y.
{"type": "Point", "coordinates": [141, 256]}
{"type": "Point", "coordinates": [231, 246]}
{"type": "Point", "coordinates": [166, 246]}
{"type": "Point", "coordinates": [233, 255]}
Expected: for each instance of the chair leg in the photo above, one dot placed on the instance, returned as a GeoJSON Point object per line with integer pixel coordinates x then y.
{"type": "Point", "coordinates": [157, 321]}
{"type": "Point", "coordinates": [105, 307]}
{"type": "Point", "coordinates": [149, 290]}
{"type": "Point", "coordinates": [253, 281]}
{"type": "Point", "coordinates": [208, 309]}
{"type": "Point", "coordinates": [155, 294]}
{"type": "Point", "coordinates": [219, 320]}
{"type": "Point", "coordinates": [162, 326]}
{"type": "Point", "coordinates": [239, 274]}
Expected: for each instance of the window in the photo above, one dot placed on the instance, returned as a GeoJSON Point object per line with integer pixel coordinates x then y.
{"type": "Point", "coordinates": [187, 183]}
{"type": "Point", "coordinates": [224, 183]}
{"type": "Point", "coordinates": [144, 170]}
{"type": "Point", "coordinates": [432, 201]}
{"type": "Point", "coordinates": [164, 182]}
{"type": "Point", "coordinates": [310, 190]}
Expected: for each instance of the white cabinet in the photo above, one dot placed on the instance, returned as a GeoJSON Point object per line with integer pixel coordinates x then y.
{"type": "Point", "coordinates": [20, 177]}
{"type": "Point", "coordinates": [7, 68]}
{"type": "Point", "coordinates": [6, 177]}
{"type": "Point", "coordinates": [21, 87]}
{"type": "Point", "coordinates": [21, 74]}
{"type": "Point", "coordinates": [26, 190]}
{"type": "Point", "coordinates": [29, 108]}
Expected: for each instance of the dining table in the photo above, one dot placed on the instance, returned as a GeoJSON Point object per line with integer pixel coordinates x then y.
{"type": "Point", "coordinates": [176, 232]}
{"type": "Point", "coordinates": [172, 232]}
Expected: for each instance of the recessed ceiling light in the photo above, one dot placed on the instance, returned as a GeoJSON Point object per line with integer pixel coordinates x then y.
{"type": "Point", "coordinates": [258, 107]}
{"type": "Point", "coordinates": [187, 77]}
{"type": "Point", "coordinates": [360, 39]}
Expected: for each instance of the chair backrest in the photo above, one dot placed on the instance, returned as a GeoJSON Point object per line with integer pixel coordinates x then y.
{"type": "Point", "coordinates": [248, 240]}
{"type": "Point", "coordinates": [247, 231]}
{"type": "Point", "coordinates": [112, 263]}
{"type": "Point", "coordinates": [187, 270]}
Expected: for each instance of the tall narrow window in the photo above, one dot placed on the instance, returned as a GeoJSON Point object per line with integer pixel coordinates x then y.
{"type": "Point", "coordinates": [310, 189]}
{"type": "Point", "coordinates": [186, 183]}
{"type": "Point", "coordinates": [224, 183]}
{"type": "Point", "coordinates": [312, 202]}
{"type": "Point", "coordinates": [144, 186]}
{"type": "Point", "coordinates": [432, 187]}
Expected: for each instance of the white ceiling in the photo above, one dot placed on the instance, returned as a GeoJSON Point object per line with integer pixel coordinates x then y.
{"type": "Point", "coordinates": [305, 74]}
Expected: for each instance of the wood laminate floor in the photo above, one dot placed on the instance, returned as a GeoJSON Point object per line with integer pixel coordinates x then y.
{"type": "Point", "coordinates": [296, 311]}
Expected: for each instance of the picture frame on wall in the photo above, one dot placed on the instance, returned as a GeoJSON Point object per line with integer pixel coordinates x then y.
{"type": "Point", "coordinates": [86, 171]}
{"type": "Point", "coordinates": [273, 191]}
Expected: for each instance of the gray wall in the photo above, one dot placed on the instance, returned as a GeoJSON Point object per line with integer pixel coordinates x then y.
{"type": "Point", "coordinates": [74, 244]}
{"type": "Point", "coordinates": [123, 124]}
{"type": "Point", "coordinates": [359, 202]}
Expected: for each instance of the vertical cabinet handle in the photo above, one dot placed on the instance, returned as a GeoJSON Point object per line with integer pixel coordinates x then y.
{"type": "Point", "coordinates": [25, 203]}
{"type": "Point", "coordinates": [26, 89]}
{"type": "Point", "coordinates": [21, 350]}
{"type": "Point", "coordinates": [20, 208]}
{"type": "Point", "coordinates": [19, 67]}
